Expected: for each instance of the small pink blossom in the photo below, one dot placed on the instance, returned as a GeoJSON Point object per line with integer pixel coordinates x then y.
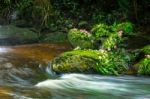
{"type": "Point", "coordinates": [83, 30]}
{"type": "Point", "coordinates": [120, 33]}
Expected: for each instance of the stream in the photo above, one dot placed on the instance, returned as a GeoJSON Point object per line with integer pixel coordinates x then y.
{"type": "Point", "coordinates": [25, 74]}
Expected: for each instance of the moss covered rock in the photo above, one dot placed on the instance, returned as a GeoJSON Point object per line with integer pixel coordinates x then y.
{"type": "Point", "coordinates": [75, 61]}
{"type": "Point", "coordinates": [81, 38]}
{"type": "Point", "coordinates": [86, 61]}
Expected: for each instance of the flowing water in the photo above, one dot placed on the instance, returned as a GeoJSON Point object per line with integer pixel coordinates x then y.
{"type": "Point", "coordinates": [24, 74]}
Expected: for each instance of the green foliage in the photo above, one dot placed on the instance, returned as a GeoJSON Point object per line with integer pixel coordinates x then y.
{"type": "Point", "coordinates": [23, 4]}
{"type": "Point", "coordinates": [43, 8]}
{"type": "Point", "coordinates": [144, 66]}
{"type": "Point", "coordinates": [112, 42]}
{"type": "Point", "coordinates": [112, 37]}
{"type": "Point", "coordinates": [101, 30]}
{"type": "Point", "coordinates": [98, 17]}
{"type": "Point", "coordinates": [112, 63]}
{"type": "Point", "coordinates": [127, 27]}
{"type": "Point", "coordinates": [146, 49]}
{"type": "Point", "coordinates": [81, 38]}
{"type": "Point", "coordinates": [124, 4]}
{"type": "Point", "coordinates": [36, 9]}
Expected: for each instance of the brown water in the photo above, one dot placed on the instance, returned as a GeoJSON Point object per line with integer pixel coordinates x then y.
{"type": "Point", "coordinates": [24, 64]}
{"type": "Point", "coordinates": [24, 74]}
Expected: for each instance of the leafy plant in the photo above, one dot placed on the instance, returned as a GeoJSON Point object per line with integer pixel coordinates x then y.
{"type": "Point", "coordinates": [23, 4]}
{"type": "Point", "coordinates": [127, 27]}
{"type": "Point", "coordinates": [144, 66]}
{"type": "Point", "coordinates": [98, 17]}
{"type": "Point", "coordinates": [44, 9]}
{"type": "Point", "coordinates": [112, 42]}
{"type": "Point", "coordinates": [146, 49]}
{"type": "Point", "coordinates": [101, 30]}
{"type": "Point", "coordinates": [112, 63]}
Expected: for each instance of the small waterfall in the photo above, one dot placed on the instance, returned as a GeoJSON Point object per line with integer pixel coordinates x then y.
{"type": "Point", "coordinates": [50, 71]}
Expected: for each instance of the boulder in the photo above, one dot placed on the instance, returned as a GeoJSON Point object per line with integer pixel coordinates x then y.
{"type": "Point", "coordinates": [87, 61]}
{"type": "Point", "coordinates": [79, 61]}
{"type": "Point", "coordinates": [10, 34]}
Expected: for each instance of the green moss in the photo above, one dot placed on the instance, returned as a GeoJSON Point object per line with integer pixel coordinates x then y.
{"type": "Point", "coordinates": [81, 38]}
{"type": "Point", "coordinates": [86, 53]}
{"type": "Point", "coordinates": [146, 49]}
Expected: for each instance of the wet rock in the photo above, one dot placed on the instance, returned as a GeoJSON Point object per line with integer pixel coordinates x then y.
{"type": "Point", "coordinates": [11, 35]}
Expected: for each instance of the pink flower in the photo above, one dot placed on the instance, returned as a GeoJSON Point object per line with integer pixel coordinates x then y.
{"type": "Point", "coordinates": [120, 33]}
{"type": "Point", "coordinates": [84, 31]}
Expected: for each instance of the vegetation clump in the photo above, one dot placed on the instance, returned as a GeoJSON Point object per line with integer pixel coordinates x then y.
{"type": "Point", "coordinates": [81, 38]}
{"type": "Point", "coordinates": [146, 49]}
{"type": "Point", "coordinates": [144, 66]}
{"type": "Point", "coordinates": [112, 42]}
{"type": "Point", "coordinates": [101, 30]}
{"type": "Point", "coordinates": [126, 27]}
